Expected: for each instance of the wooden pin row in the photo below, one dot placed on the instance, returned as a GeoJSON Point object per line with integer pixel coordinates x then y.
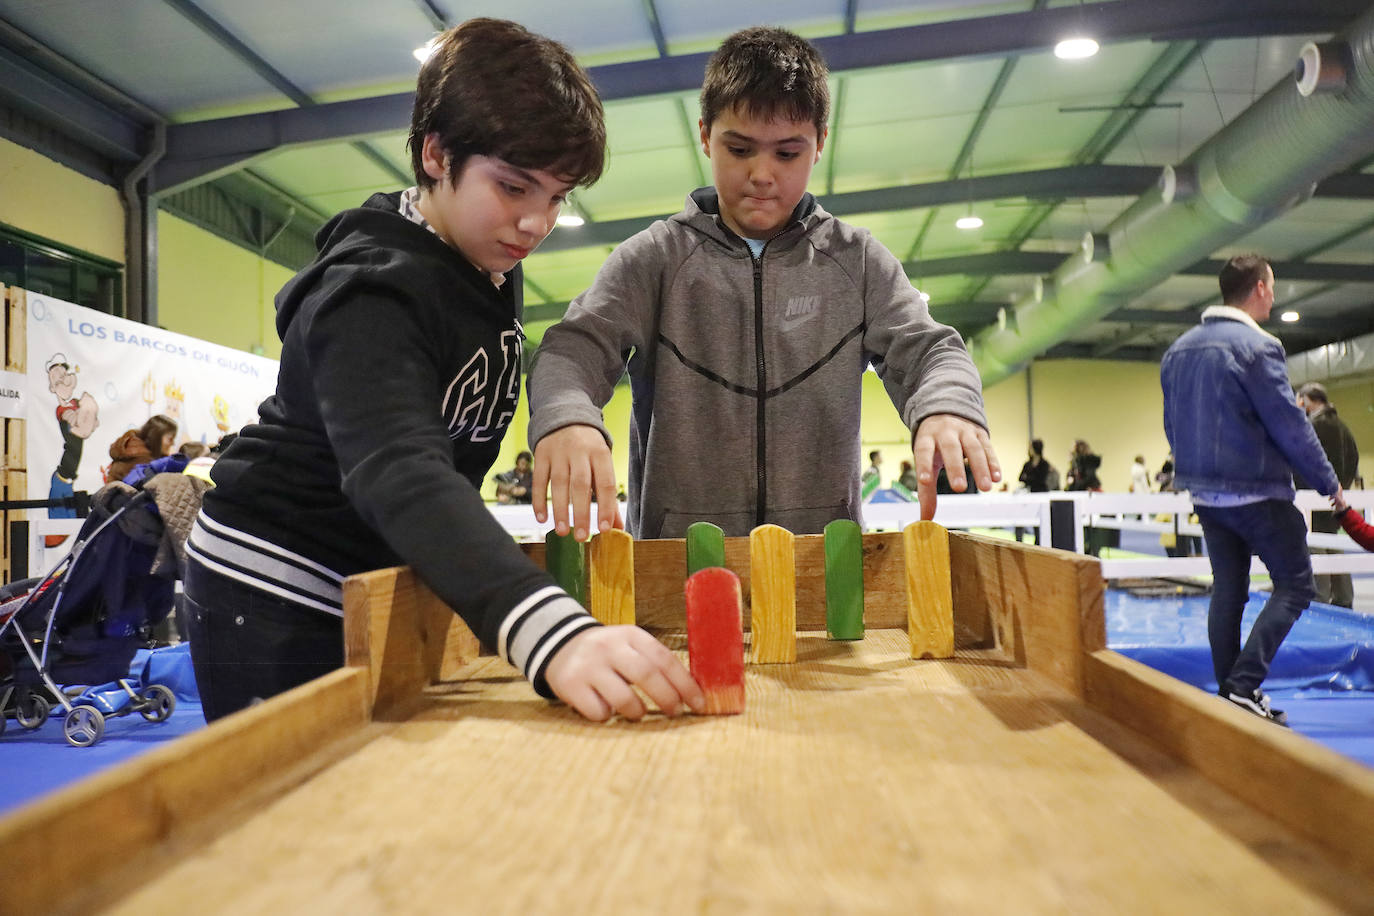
{"type": "Point", "coordinates": [600, 575]}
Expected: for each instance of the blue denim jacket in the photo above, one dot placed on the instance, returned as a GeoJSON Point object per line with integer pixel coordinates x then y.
{"type": "Point", "coordinates": [1231, 416]}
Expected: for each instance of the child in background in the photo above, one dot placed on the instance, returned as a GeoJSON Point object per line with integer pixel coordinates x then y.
{"type": "Point", "coordinates": [748, 320]}
{"type": "Point", "coordinates": [400, 370]}
{"type": "Point", "coordinates": [1360, 531]}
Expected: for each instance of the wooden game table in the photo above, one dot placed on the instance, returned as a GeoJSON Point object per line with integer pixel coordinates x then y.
{"type": "Point", "coordinates": [1035, 771]}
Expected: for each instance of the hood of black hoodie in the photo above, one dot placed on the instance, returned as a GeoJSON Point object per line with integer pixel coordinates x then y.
{"type": "Point", "coordinates": [377, 239]}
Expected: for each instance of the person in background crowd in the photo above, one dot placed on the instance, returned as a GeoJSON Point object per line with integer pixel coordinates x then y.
{"type": "Point", "coordinates": [1083, 465]}
{"type": "Point", "coordinates": [1339, 444]}
{"type": "Point", "coordinates": [153, 440]}
{"type": "Point", "coordinates": [1237, 436]}
{"type": "Point", "coordinates": [1140, 476]}
{"type": "Point", "coordinates": [908, 476]}
{"type": "Point", "coordinates": [875, 461]}
{"type": "Point", "coordinates": [514, 486]}
{"type": "Point", "coordinates": [1035, 473]}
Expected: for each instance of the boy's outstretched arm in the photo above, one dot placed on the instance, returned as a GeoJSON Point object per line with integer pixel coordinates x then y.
{"type": "Point", "coordinates": [944, 440]}
{"type": "Point", "coordinates": [597, 670]}
{"type": "Point", "coordinates": [575, 461]}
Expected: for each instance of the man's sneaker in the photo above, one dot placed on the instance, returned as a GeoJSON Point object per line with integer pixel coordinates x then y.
{"type": "Point", "coordinates": [1257, 703]}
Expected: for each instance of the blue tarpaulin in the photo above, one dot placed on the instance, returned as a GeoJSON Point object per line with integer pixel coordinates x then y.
{"type": "Point", "coordinates": [1322, 676]}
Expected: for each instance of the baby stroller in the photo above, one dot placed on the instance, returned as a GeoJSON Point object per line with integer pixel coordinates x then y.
{"type": "Point", "coordinates": [82, 623]}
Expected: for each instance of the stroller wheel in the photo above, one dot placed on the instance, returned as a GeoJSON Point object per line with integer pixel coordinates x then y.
{"type": "Point", "coordinates": [157, 703]}
{"type": "Point", "coordinates": [83, 726]}
{"type": "Point", "coordinates": [32, 710]}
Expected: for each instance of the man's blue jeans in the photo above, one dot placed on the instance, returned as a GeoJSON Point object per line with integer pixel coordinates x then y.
{"type": "Point", "coordinates": [1274, 531]}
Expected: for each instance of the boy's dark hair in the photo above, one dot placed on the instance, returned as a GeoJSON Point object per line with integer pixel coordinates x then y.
{"type": "Point", "coordinates": [873, 456]}
{"type": "Point", "coordinates": [493, 88]}
{"type": "Point", "coordinates": [526, 455]}
{"type": "Point", "coordinates": [1240, 275]}
{"type": "Point", "coordinates": [767, 73]}
{"type": "Point", "coordinates": [1038, 446]}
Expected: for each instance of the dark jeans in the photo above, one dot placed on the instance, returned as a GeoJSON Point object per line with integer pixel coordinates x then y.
{"type": "Point", "coordinates": [1274, 531]}
{"type": "Point", "coordinates": [247, 645]}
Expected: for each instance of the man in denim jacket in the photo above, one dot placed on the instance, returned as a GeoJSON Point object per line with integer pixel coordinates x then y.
{"type": "Point", "coordinates": [1237, 435]}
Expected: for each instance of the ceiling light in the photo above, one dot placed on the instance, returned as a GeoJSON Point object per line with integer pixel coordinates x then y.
{"type": "Point", "coordinates": [1289, 316]}
{"type": "Point", "coordinates": [571, 220]}
{"type": "Point", "coordinates": [1075, 48]}
{"type": "Point", "coordinates": [968, 222]}
{"type": "Point", "coordinates": [422, 53]}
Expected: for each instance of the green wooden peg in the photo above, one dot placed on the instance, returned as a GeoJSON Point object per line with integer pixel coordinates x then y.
{"type": "Point", "coordinates": [566, 561]}
{"type": "Point", "coordinates": [705, 547]}
{"type": "Point", "coordinates": [844, 580]}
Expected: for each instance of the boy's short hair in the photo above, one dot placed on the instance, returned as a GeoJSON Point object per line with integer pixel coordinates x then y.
{"type": "Point", "coordinates": [767, 73]}
{"type": "Point", "coordinates": [1240, 275]}
{"type": "Point", "coordinates": [493, 88]}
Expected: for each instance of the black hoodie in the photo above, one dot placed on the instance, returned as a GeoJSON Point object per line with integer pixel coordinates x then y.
{"type": "Point", "coordinates": [400, 371]}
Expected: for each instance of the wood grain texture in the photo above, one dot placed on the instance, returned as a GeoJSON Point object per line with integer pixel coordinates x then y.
{"type": "Point", "coordinates": [1038, 607]}
{"type": "Point", "coordinates": [174, 793]}
{"type": "Point", "coordinates": [611, 577]}
{"type": "Point", "coordinates": [856, 781]}
{"type": "Point", "coordinates": [773, 586]}
{"type": "Point", "coordinates": [1318, 793]}
{"type": "Point", "coordinates": [930, 604]}
{"type": "Point", "coordinates": [402, 635]}
{"type": "Point", "coordinates": [844, 581]}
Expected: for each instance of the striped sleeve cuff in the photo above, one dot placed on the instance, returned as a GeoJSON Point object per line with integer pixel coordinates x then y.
{"type": "Point", "coordinates": [536, 628]}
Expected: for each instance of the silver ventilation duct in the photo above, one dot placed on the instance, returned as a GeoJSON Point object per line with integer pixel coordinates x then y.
{"type": "Point", "coordinates": [1266, 161]}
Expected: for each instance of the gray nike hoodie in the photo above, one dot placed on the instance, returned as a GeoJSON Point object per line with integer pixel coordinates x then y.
{"type": "Point", "coordinates": [746, 373]}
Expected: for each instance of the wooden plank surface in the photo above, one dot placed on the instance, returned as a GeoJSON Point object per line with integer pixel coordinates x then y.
{"type": "Point", "coordinates": [930, 610]}
{"type": "Point", "coordinates": [773, 577]}
{"type": "Point", "coordinates": [56, 852]}
{"type": "Point", "coordinates": [611, 577]}
{"type": "Point", "coordinates": [857, 781]}
{"type": "Point", "coordinates": [1321, 794]}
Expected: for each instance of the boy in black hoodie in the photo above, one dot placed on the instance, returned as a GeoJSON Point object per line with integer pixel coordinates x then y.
{"type": "Point", "coordinates": [400, 371]}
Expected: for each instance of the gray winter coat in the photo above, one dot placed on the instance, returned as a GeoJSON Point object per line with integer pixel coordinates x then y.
{"type": "Point", "coordinates": [746, 375]}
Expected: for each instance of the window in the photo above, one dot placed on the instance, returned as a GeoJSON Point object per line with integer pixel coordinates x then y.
{"type": "Point", "coordinates": [47, 267]}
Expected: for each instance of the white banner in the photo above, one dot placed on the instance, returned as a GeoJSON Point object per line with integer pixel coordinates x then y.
{"type": "Point", "coordinates": [93, 377]}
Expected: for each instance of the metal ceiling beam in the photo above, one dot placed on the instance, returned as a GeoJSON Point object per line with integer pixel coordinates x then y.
{"type": "Point", "coordinates": [1080, 181]}
{"type": "Point", "coordinates": [274, 77]}
{"type": "Point", "coordinates": [1001, 263]}
{"type": "Point", "coordinates": [965, 156]}
{"type": "Point", "coordinates": [1083, 181]}
{"type": "Point", "coordinates": [247, 136]}
{"type": "Point", "coordinates": [1160, 75]}
{"type": "Point", "coordinates": [70, 110]}
{"type": "Point", "coordinates": [1256, 168]}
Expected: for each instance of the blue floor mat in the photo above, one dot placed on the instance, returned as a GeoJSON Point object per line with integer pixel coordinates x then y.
{"type": "Point", "coordinates": [35, 762]}
{"type": "Point", "coordinates": [1322, 676]}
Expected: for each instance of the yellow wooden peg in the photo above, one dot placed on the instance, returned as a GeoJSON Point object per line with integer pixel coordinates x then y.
{"type": "Point", "coordinates": [773, 591]}
{"type": "Point", "coordinates": [930, 605]}
{"type": "Point", "coordinates": [611, 577]}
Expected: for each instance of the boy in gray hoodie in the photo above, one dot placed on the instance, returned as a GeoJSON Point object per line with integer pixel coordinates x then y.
{"type": "Point", "coordinates": [748, 320]}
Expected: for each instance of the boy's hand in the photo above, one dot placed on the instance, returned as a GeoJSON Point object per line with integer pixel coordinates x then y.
{"type": "Point", "coordinates": [576, 460]}
{"type": "Point", "coordinates": [1338, 500]}
{"type": "Point", "coordinates": [944, 440]}
{"type": "Point", "coordinates": [596, 671]}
